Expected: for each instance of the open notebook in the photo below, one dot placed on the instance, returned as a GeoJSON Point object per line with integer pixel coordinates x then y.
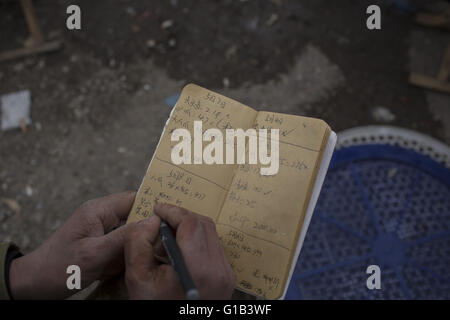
{"type": "Point", "coordinates": [261, 220]}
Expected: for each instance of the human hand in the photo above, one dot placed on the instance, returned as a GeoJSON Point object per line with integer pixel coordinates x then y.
{"type": "Point", "coordinates": [196, 235]}
{"type": "Point", "coordinates": [92, 238]}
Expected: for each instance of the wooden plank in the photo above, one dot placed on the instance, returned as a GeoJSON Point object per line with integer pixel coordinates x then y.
{"type": "Point", "coordinates": [37, 37]}
{"type": "Point", "coordinates": [434, 20]}
{"type": "Point", "coordinates": [444, 72]}
{"type": "Point", "coordinates": [429, 82]}
{"type": "Point", "coordinates": [19, 53]}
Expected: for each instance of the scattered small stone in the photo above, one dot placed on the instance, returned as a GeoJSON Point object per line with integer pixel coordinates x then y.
{"type": "Point", "coordinates": [226, 82]}
{"type": "Point", "coordinates": [166, 24]}
{"type": "Point", "coordinates": [172, 43]}
{"type": "Point", "coordinates": [80, 113]}
{"type": "Point", "coordinates": [41, 64]}
{"type": "Point", "coordinates": [151, 43]}
{"type": "Point", "coordinates": [382, 114]}
{"type": "Point", "coordinates": [28, 190]}
{"type": "Point", "coordinates": [273, 18]}
{"type": "Point", "coordinates": [65, 69]}
{"type": "Point", "coordinates": [121, 150]}
{"type": "Point", "coordinates": [253, 23]}
{"type": "Point", "coordinates": [12, 204]}
{"type": "Point", "coordinates": [231, 52]}
{"type": "Point", "coordinates": [131, 11]}
{"type": "Point", "coordinates": [18, 67]}
{"type": "Point", "coordinates": [147, 87]}
{"type": "Point", "coordinates": [38, 126]}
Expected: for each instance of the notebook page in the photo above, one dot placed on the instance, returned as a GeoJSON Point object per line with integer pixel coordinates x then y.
{"type": "Point", "coordinates": [200, 188]}
{"type": "Point", "coordinates": [262, 216]}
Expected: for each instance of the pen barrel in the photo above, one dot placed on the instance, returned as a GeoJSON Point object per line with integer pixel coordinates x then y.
{"type": "Point", "coordinates": [177, 261]}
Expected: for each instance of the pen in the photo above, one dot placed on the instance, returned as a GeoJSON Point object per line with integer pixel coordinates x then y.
{"type": "Point", "coordinates": [175, 257]}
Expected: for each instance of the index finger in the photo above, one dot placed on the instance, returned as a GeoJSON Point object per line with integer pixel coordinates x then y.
{"type": "Point", "coordinates": [173, 215]}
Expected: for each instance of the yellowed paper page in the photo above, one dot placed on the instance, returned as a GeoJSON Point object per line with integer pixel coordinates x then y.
{"type": "Point", "coordinates": [201, 188]}
{"type": "Point", "coordinates": [262, 215]}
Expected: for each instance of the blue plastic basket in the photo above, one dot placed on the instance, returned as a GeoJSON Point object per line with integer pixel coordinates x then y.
{"type": "Point", "coordinates": [380, 205]}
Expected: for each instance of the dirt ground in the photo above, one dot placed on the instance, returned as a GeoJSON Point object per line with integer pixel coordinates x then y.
{"type": "Point", "coordinates": [98, 105]}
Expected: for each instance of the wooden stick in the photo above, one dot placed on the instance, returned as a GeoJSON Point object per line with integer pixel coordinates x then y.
{"type": "Point", "coordinates": [444, 72]}
{"type": "Point", "coordinates": [32, 22]}
{"type": "Point", "coordinates": [429, 82]}
{"type": "Point", "coordinates": [19, 53]}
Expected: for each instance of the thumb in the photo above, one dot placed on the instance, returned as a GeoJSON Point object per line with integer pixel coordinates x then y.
{"type": "Point", "coordinates": [139, 241]}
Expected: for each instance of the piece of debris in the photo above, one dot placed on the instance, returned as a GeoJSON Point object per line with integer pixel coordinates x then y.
{"type": "Point", "coordinates": [434, 20]}
{"type": "Point", "coordinates": [12, 204]}
{"type": "Point", "coordinates": [382, 114]}
{"type": "Point", "coordinates": [166, 24]}
{"type": "Point", "coordinates": [38, 126]}
{"type": "Point", "coordinates": [231, 52]}
{"type": "Point", "coordinates": [121, 150]}
{"type": "Point", "coordinates": [252, 24]}
{"type": "Point", "coordinates": [226, 82]}
{"type": "Point", "coordinates": [23, 126]}
{"type": "Point", "coordinates": [273, 18]}
{"type": "Point", "coordinates": [131, 11]}
{"type": "Point", "coordinates": [438, 83]}
{"type": "Point", "coordinates": [15, 110]}
{"type": "Point", "coordinates": [172, 43]}
{"type": "Point", "coordinates": [151, 43]}
{"type": "Point", "coordinates": [28, 190]}
{"type": "Point", "coordinates": [172, 100]}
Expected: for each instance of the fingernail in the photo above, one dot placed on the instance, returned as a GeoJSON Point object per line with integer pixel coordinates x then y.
{"type": "Point", "coordinates": [152, 219]}
{"type": "Point", "coordinates": [162, 206]}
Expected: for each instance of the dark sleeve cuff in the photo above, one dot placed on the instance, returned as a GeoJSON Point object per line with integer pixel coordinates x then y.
{"type": "Point", "coordinates": [8, 252]}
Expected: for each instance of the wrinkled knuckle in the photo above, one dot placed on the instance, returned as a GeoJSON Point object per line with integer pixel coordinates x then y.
{"type": "Point", "coordinates": [132, 233]}
{"type": "Point", "coordinates": [87, 208]}
{"type": "Point", "coordinates": [86, 253]}
{"type": "Point", "coordinates": [131, 278]}
{"type": "Point", "coordinates": [190, 223]}
{"type": "Point", "coordinates": [182, 212]}
{"type": "Point", "coordinates": [204, 280]}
